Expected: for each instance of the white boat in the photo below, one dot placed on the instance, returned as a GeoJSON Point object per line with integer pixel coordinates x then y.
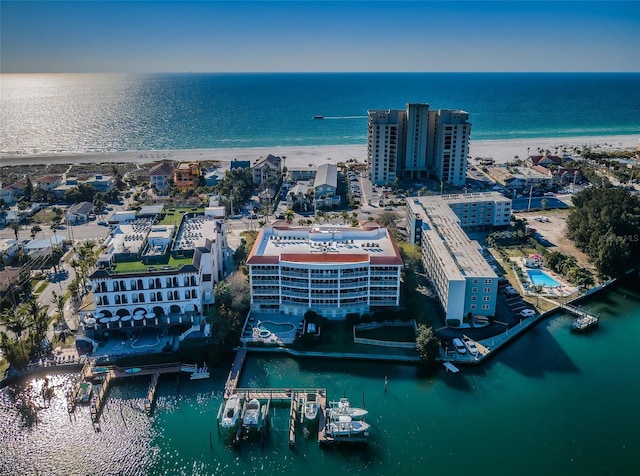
{"type": "Point", "coordinates": [251, 415]}
{"type": "Point", "coordinates": [200, 373]}
{"type": "Point", "coordinates": [311, 407]}
{"type": "Point", "coordinates": [84, 393]}
{"type": "Point", "coordinates": [133, 370]}
{"type": "Point", "coordinates": [346, 426]}
{"type": "Point", "coordinates": [344, 408]}
{"type": "Point", "coordinates": [231, 412]}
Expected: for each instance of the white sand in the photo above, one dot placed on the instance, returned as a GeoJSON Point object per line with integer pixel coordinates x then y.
{"type": "Point", "coordinates": [501, 150]}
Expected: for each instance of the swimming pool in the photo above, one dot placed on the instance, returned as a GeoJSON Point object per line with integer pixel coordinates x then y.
{"type": "Point", "coordinates": [277, 328]}
{"type": "Point", "coordinates": [540, 278]}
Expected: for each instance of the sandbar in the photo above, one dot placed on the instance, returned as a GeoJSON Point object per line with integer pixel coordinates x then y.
{"type": "Point", "coordinates": [303, 156]}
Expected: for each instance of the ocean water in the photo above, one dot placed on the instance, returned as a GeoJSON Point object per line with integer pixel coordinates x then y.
{"type": "Point", "coordinates": [553, 402]}
{"type": "Point", "coordinates": [69, 113]}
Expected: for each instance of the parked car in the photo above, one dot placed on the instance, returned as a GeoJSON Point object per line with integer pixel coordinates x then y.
{"type": "Point", "coordinates": [527, 313]}
{"type": "Point", "coordinates": [103, 223]}
{"type": "Point", "coordinates": [460, 348]}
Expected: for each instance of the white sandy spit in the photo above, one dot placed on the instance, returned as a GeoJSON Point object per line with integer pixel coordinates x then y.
{"type": "Point", "coordinates": [501, 150]}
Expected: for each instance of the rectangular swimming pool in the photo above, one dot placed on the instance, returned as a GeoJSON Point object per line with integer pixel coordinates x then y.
{"type": "Point", "coordinates": [540, 278]}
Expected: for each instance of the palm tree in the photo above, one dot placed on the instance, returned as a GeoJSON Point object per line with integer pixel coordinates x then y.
{"type": "Point", "coordinates": [16, 320]}
{"type": "Point", "coordinates": [288, 215]}
{"type": "Point", "coordinates": [16, 228]}
{"type": "Point", "coordinates": [58, 302]}
{"type": "Point", "coordinates": [39, 319]}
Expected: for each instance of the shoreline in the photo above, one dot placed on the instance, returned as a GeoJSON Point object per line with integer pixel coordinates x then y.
{"type": "Point", "coordinates": [502, 150]}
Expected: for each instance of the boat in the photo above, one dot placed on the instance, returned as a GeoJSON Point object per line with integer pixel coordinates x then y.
{"type": "Point", "coordinates": [318, 117]}
{"type": "Point", "coordinates": [100, 370]}
{"type": "Point", "coordinates": [84, 393]}
{"type": "Point", "coordinates": [251, 415]}
{"type": "Point", "coordinates": [344, 408]}
{"type": "Point", "coordinates": [345, 426]}
{"type": "Point", "coordinates": [133, 370]}
{"type": "Point", "coordinates": [231, 412]}
{"type": "Point", "coordinates": [200, 373]}
{"type": "Point", "coordinates": [311, 407]}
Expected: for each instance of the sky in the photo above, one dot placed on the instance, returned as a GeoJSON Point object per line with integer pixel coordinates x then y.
{"type": "Point", "coordinates": [319, 36]}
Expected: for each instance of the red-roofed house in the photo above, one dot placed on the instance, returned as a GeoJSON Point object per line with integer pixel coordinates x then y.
{"type": "Point", "coordinates": [544, 160]}
{"type": "Point", "coordinates": [12, 193]}
{"type": "Point", "coordinates": [159, 175]}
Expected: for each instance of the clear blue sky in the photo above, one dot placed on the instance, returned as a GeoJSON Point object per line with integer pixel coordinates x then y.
{"type": "Point", "coordinates": [266, 36]}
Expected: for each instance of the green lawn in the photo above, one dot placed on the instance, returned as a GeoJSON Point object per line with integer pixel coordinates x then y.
{"type": "Point", "coordinates": [337, 336]}
{"type": "Point", "coordinates": [173, 216]}
{"type": "Point", "coordinates": [138, 266]}
{"type": "Point", "coordinates": [389, 333]}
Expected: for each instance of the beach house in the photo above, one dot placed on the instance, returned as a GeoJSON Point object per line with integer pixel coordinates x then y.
{"type": "Point", "coordinates": [159, 176]}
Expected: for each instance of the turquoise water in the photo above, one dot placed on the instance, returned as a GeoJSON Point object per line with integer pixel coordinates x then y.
{"type": "Point", "coordinates": [554, 402]}
{"type": "Point", "coordinates": [540, 278]}
{"type": "Point", "coordinates": [60, 113]}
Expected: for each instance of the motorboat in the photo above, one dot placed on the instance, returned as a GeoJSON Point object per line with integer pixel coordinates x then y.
{"type": "Point", "coordinates": [311, 407]}
{"type": "Point", "coordinates": [84, 392]}
{"type": "Point", "coordinates": [133, 370]}
{"type": "Point", "coordinates": [231, 412]}
{"type": "Point", "coordinates": [318, 117]}
{"type": "Point", "coordinates": [346, 426]}
{"type": "Point", "coordinates": [344, 408]}
{"type": "Point", "coordinates": [200, 373]}
{"type": "Point", "coordinates": [251, 415]}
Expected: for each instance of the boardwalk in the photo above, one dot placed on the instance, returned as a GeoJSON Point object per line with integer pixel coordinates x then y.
{"type": "Point", "coordinates": [234, 374]}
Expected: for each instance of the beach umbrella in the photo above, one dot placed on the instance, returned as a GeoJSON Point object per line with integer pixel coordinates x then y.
{"type": "Point", "coordinates": [138, 317]}
{"type": "Point", "coordinates": [114, 318]}
{"type": "Point", "coordinates": [126, 318]}
{"type": "Point", "coordinates": [104, 320]}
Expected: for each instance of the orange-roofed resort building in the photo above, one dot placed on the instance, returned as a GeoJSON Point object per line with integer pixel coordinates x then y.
{"type": "Point", "coordinates": [332, 270]}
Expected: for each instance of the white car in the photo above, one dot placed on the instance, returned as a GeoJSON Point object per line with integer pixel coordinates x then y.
{"type": "Point", "coordinates": [460, 348]}
{"type": "Point", "coordinates": [473, 350]}
{"type": "Point", "coordinates": [527, 313]}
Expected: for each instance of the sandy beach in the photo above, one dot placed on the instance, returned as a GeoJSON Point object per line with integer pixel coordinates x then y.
{"type": "Point", "coordinates": [500, 150]}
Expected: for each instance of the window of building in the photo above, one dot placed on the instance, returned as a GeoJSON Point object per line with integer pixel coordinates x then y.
{"type": "Point", "coordinates": [487, 290]}
{"type": "Point", "coordinates": [474, 290]}
{"type": "Point", "coordinates": [485, 307]}
{"type": "Point", "coordinates": [206, 277]}
{"type": "Point", "coordinates": [474, 298]}
{"type": "Point", "coordinates": [475, 281]}
{"type": "Point", "coordinates": [486, 298]}
{"type": "Point", "coordinates": [473, 306]}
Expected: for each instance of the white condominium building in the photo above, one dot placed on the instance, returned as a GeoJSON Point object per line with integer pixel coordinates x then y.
{"type": "Point", "coordinates": [464, 281]}
{"type": "Point", "coordinates": [332, 270]}
{"type": "Point", "coordinates": [385, 144]}
{"type": "Point", "coordinates": [418, 142]}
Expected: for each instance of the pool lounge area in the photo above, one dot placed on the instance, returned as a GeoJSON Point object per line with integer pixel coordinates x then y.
{"type": "Point", "coordinates": [271, 328]}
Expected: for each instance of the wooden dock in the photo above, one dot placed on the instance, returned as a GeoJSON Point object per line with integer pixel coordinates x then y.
{"type": "Point", "coordinates": [584, 319]}
{"type": "Point", "coordinates": [151, 393]}
{"type": "Point", "coordinates": [234, 373]}
{"type": "Point", "coordinates": [84, 373]}
{"type": "Point", "coordinates": [116, 372]}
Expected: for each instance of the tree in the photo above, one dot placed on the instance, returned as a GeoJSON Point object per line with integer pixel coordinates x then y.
{"type": "Point", "coordinates": [16, 228]}
{"type": "Point", "coordinates": [544, 203]}
{"type": "Point", "coordinates": [427, 344]}
{"type": "Point", "coordinates": [35, 229]}
{"type": "Point", "coordinates": [288, 215]}
{"type": "Point", "coordinates": [58, 302]}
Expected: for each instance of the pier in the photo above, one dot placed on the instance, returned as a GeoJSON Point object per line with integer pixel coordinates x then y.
{"type": "Point", "coordinates": [84, 373]}
{"type": "Point", "coordinates": [585, 320]}
{"type": "Point", "coordinates": [234, 373]}
{"type": "Point", "coordinates": [151, 393]}
{"type": "Point", "coordinates": [115, 372]}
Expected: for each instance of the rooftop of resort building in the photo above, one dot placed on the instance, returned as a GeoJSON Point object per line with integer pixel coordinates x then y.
{"type": "Point", "coordinates": [324, 244]}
